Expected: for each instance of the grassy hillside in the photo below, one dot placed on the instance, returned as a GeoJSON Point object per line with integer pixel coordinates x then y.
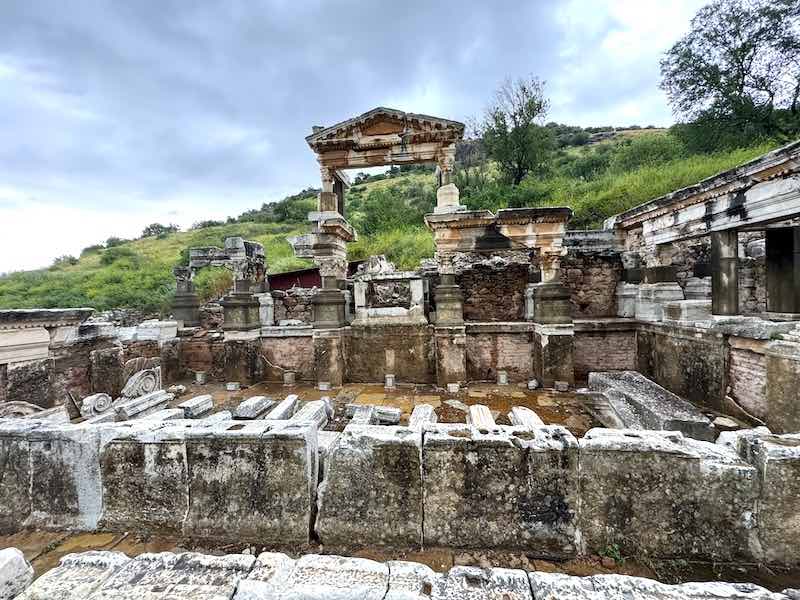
{"type": "Point", "coordinates": [596, 181]}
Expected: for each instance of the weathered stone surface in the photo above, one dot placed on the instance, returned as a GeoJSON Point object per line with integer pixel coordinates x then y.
{"type": "Point", "coordinates": [777, 459]}
{"type": "Point", "coordinates": [648, 492]}
{"type": "Point", "coordinates": [314, 412]}
{"type": "Point", "coordinates": [504, 488]}
{"type": "Point", "coordinates": [254, 407]}
{"type": "Point", "coordinates": [687, 310]}
{"type": "Point", "coordinates": [482, 584]}
{"type": "Point", "coordinates": [15, 494]}
{"type": "Point", "coordinates": [197, 406]}
{"type": "Point", "coordinates": [481, 417]}
{"type": "Point", "coordinates": [143, 405]}
{"type": "Point", "coordinates": [143, 382]}
{"type": "Point", "coordinates": [524, 417]}
{"type": "Point", "coordinates": [362, 414]}
{"type": "Point", "coordinates": [76, 577]}
{"type": "Point", "coordinates": [652, 298]}
{"type": "Point", "coordinates": [285, 408]}
{"type": "Point", "coordinates": [421, 415]}
{"type": "Point", "coordinates": [557, 586]}
{"type": "Point", "coordinates": [654, 407]}
{"type": "Point", "coordinates": [166, 414]}
{"type": "Point", "coordinates": [314, 577]}
{"type": "Point", "coordinates": [144, 477]}
{"type": "Point", "coordinates": [16, 573]}
{"type": "Point", "coordinates": [387, 511]}
{"type": "Point", "coordinates": [410, 581]}
{"type": "Point", "coordinates": [96, 404]}
{"type": "Point", "coordinates": [385, 415]}
{"type": "Point", "coordinates": [249, 479]}
{"type": "Point", "coordinates": [187, 576]}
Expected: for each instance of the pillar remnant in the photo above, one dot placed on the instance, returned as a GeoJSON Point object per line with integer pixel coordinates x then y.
{"type": "Point", "coordinates": [725, 272]}
{"type": "Point", "coordinates": [186, 306]}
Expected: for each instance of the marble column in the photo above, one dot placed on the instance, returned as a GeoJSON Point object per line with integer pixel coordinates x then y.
{"type": "Point", "coordinates": [725, 272]}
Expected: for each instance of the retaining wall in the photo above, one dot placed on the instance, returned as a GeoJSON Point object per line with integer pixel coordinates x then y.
{"type": "Point", "coordinates": [539, 490]}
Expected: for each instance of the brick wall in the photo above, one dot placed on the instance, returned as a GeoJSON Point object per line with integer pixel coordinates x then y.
{"type": "Point", "coordinates": [489, 352]}
{"type": "Point", "coordinates": [603, 351]}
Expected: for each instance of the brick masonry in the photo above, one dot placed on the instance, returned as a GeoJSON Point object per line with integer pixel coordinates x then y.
{"type": "Point", "coordinates": [604, 351]}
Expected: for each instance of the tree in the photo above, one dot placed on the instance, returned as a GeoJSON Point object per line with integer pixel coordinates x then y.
{"type": "Point", "coordinates": [738, 68]}
{"type": "Point", "coordinates": [513, 131]}
{"type": "Point", "coordinates": [157, 229]}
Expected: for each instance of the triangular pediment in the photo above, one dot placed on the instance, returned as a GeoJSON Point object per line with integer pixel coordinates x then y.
{"type": "Point", "coordinates": [388, 125]}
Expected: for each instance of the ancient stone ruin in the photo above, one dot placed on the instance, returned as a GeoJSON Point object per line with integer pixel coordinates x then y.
{"type": "Point", "coordinates": [632, 391]}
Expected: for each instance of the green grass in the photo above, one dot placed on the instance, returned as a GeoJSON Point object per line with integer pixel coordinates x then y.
{"type": "Point", "coordinates": [139, 273]}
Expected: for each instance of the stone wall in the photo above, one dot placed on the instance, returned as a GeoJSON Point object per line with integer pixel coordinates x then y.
{"type": "Point", "coordinates": [294, 304]}
{"type": "Point", "coordinates": [592, 280]}
{"type": "Point", "coordinates": [295, 353]}
{"type": "Point", "coordinates": [688, 362]}
{"type": "Point", "coordinates": [407, 351]}
{"type": "Point", "coordinates": [507, 347]}
{"type": "Point", "coordinates": [540, 490]}
{"type": "Point", "coordinates": [604, 349]}
{"type": "Point", "coordinates": [747, 376]}
{"type": "Point", "coordinates": [493, 287]}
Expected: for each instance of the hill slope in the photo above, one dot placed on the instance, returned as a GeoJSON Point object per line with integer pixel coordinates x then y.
{"type": "Point", "coordinates": [386, 210]}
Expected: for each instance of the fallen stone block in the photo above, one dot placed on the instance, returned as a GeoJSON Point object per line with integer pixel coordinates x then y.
{"type": "Point", "coordinates": [422, 415]}
{"type": "Point", "coordinates": [557, 586]}
{"type": "Point", "coordinates": [410, 581]}
{"type": "Point", "coordinates": [482, 584]}
{"type": "Point", "coordinates": [198, 406]}
{"type": "Point", "coordinates": [506, 488]}
{"type": "Point", "coordinates": [76, 577]}
{"type": "Point", "coordinates": [363, 414]}
{"type": "Point", "coordinates": [285, 408]}
{"type": "Point", "coordinates": [166, 575]}
{"type": "Point", "coordinates": [391, 513]}
{"type": "Point", "coordinates": [15, 489]}
{"type": "Point", "coordinates": [145, 481]}
{"type": "Point", "coordinates": [688, 311]}
{"type": "Point", "coordinates": [314, 577]}
{"type": "Point", "coordinates": [253, 408]}
{"type": "Point", "coordinates": [662, 495]}
{"type": "Point", "coordinates": [16, 573]}
{"type": "Point", "coordinates": [385, 415]}
{"type": "Point", "coordinates": [481, 417]}
{"type": "Point", "coordinates": [250, 482]}
{"type": "Point", "coordinates": [143, 405]}
{"type": "Point", "coordinates": [521, 416]}
{"type": "Point", "coordinates": [777, 459]}
{"type": "Point", "coordinates": [315, 413]}
{"type": "Point", "coordinates": [654, 407]}
{"type": "Point", "coordinates": [166, 414]}
{"type": "Point", "coordinates": [219, 417]}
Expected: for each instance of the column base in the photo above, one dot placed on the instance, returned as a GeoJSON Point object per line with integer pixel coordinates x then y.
{"type": "Point", "coordinates": [451, 355]}
{"type": "Point", "coordinates": [186, 309]}
{"type": "Point", "coordinates": [553, 350]}
{"type": "Point", "coordinates": [241, 310]}
{"type": "Point", "coordinates": [329, 309]}
{"type": "Point", "coordinates": [449, 305]}
{"type": "Point", "coordinates": [551, 303]}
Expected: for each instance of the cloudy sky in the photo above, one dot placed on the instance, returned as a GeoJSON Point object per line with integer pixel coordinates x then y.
{"type": "Point", "coordinates": [115, 114]}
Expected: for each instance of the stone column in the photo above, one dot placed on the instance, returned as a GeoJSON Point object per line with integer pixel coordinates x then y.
{"type": "Point", "coordinates": [447, 196]}
{"type": "Point", "coordinates": [725, 272]}
{"type": "Point", "coordinates": [328, 200]}
{"type": "Point", "coordinates": [186, 306]}
{"type": "Point", "coordinates": [448, 297]}
{"type": "Point", "coordinates": [550, 297]}
{"type": "Point", "coordinates": [783, 270]}
{"type": "Point", "coordinates": [329, 303]}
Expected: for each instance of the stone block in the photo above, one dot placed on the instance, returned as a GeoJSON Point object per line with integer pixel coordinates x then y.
{"type": "Point", "coordinates": [314, 412]}
{"type": "Point", "coordinates": [390, 514]}
{"type": "Point", "coordinates": [142, 406]}
{"type": "Point", "coordinates": [166, 414]}
{"type": "Point", "coordinates": [285, 408]}
{"type": "Point", "coordinates": [777, 459]}
{"type": "Point", "coordinates": [626, 299]}
{"type": "Point", "coordinates": [482, 584]}
{"type": "Point", "coordinates": [687, 311]}
{"type": "Point", "coordinates": [15, 456]}
{"type": "Point", "coordinates": [505, 488]}
{"type": "Point", "coordinates": [422, 415]}
{"type": "Point", "coordinates": [186, 575]}
{"type": "Point", "coordinates": [481, 417]}
{"type": "Point", "coordinates": [553, 353]}
{"type": "Point", "coordinates": [314, 577]}
{"type": "Point", "coordinates": [659, 494]}
{"type": "Point", "coordinates": [254, 407]}
{"type": "Point", "coordinates": [651, 405]}
{"type": "Point", "coordinates": [218, 417]}
{"type": "Point", "coordinates": [652, 298]}
{"type": "Point", "coordinates": [362, 414]}
{"type": "Point", "coordinates": [251, 482]}
{"type": "Point", "coordinates": [557, 586]}
{"type": "Point", "coordinates": [16, 573]}
{"type": "Point", "coordinates": [145, 481]}
{"type": "Point", "coordinates": [385, 415]}
{"type": "Point", "coordinates": [410, 581]}
{"type": "Point", "coordinates": [76, 577]}
{"type": "Point", "coordinates": [525, 418]}
{"type": "Point", "coordinates": [198, 406]}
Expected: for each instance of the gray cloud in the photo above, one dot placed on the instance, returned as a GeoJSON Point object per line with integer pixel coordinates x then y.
{"type": "Point", "coordinates": [201, 108]}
